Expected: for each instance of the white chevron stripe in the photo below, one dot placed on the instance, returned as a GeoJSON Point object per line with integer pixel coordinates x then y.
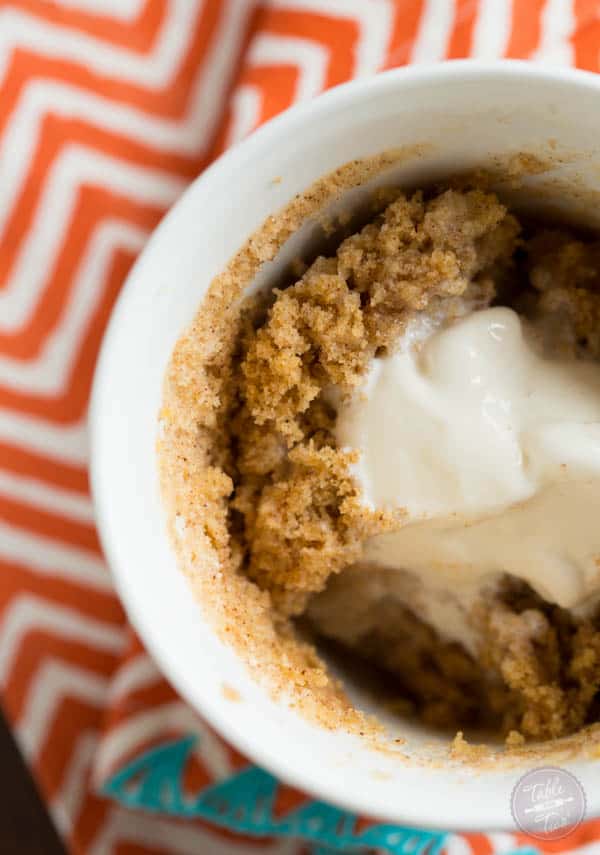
{"type": "Point", "coordinates": [456, 845]}
{"type": "Point", "coordinates": [150, 724]}
{"type": "Point", "coordinates": [311, 59]}
{"type": "Point", "coordinates": [65, 442]}
{"type": "Point", "coordinates": [189, 135]}
{"type": "Point", "coordinates": [29, 613]}
{"type": "Point", "coordinates": [155, 70]}
{"type": "Point", "coordinates": [124, 10]}
{"type": "Point", "coordinates": [66, 503]}
{"type": "Point", "coordinates": [592, 848]}
{"type": "Point", "coordinates": [212, 753]}
{"type": "Point", "coordinates": [558, 21]}
{"type": "Point", "coordinates": [67, 803]}
{"type": "Point", "coordinates": [374, 19]}
{"type": "Point", "coordinates": [5, 58]}
{"type": "Point", "coordinates": [376, 24]}
{"type": "Point", "coordinates": [492, 29]}
{"type": "Point", "coordinates": [49, 373]}
{"type": "Point", "coordinates": [177, 838]}
{"type": "Point", "coordinates": [134, 675]}
{"type": "Point", "coordinates": [76, 166]}
{"type": "Point", "coordinates": [209, 97]}
{"type": "Point", "coordinates": [53, 682]}
{"type": "Point", "coordinates": [431, 43]}
{"type": "Point", "coordinates": [501, 841]}
{"type": "Point", "coordinates": [245, 108]}
{"type": "Point", "coordinates": [50, 558]}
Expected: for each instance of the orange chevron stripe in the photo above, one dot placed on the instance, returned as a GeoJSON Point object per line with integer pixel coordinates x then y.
{"type": "Point", "coordinates": [586, 35]}
{"type": "Point", "coordinates": [526, 28]}
{"type": "Point", "coordinates": [362, 823]}
{"type": "Point", "coordinates": [461, 37]}
{"type": "Point", "coordinates": [222, 135]}
{"type": "Point", "coordinates": [29, 464]}
{"type": "Point", "coordinates": [38, 647]}
{"type": "Point", "coordinates": [94, 812]}
{"type": "Point", "coordinates": [277, 85]}
{"type": "Point", "coordinates": [49, 525]}
{"type": "Point", "coordinates": [479, 844]}
{"type": "Point", "coordinates": [195, 777]}
{"type": "Point", "coordinates": [147, 697]}
{"type": "Point", "coordinates": [133, 648]}
{"type": "Point", "coordinates": [54, 758]}
{"type": "Point", "coordinates": [338, 35]}
{"type": "Point", "coordinates": [287, 799]}
{"type": "Point", "coordinates": [407, 17]}
{"type": "Point", "coordinates": [18, 579]}
{"type": "Point", "coordinates": [237, 760]}
{"type": "Point", "coordinates": [71, 404]}
{"type": "Point", "coordinates": [137, 35]}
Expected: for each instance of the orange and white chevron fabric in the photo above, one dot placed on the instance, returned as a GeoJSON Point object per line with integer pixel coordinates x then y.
{"type": "Point", "coordinates": [108, 108]}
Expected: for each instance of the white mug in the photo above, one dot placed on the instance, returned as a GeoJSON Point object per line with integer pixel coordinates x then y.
{"type": "Point", "coordinates": [462, 115]}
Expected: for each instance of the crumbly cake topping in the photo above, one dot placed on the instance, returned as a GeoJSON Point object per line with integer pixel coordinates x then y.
{"type": "Point", "coordinates": [302, 515]}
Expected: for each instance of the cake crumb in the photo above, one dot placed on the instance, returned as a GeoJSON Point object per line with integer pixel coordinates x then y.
{"type": "Point", "coordinates": [230, 694]}
{"type": "Point", "coordinates": [514, 739]}
{"type": "Point", "coordinates": [462, 750]}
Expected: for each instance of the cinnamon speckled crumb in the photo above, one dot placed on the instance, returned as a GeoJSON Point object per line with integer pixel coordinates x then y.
{"type": "Point", "coordinates": [463, 750]}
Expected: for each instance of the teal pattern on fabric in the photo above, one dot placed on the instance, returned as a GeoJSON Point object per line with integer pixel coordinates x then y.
{"type": "Point", "coordinates": [523, 850]}
{"type": "Point", "coordinates": [245, 801]}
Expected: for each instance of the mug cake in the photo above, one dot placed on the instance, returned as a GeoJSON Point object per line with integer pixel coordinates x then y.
{"type": "Point", "coordinates": [394, 454]}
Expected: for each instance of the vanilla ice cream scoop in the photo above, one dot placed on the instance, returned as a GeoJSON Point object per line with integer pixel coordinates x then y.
{"type": "Point", "coordinates": [492, 449]}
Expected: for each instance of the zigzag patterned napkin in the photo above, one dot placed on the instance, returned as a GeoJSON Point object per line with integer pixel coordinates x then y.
{"type": "Point", "coordinates": [108, 108]}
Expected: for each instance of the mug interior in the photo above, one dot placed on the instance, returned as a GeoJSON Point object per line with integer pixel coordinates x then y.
{"type": "Point", "coordinates": [447, 119]}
